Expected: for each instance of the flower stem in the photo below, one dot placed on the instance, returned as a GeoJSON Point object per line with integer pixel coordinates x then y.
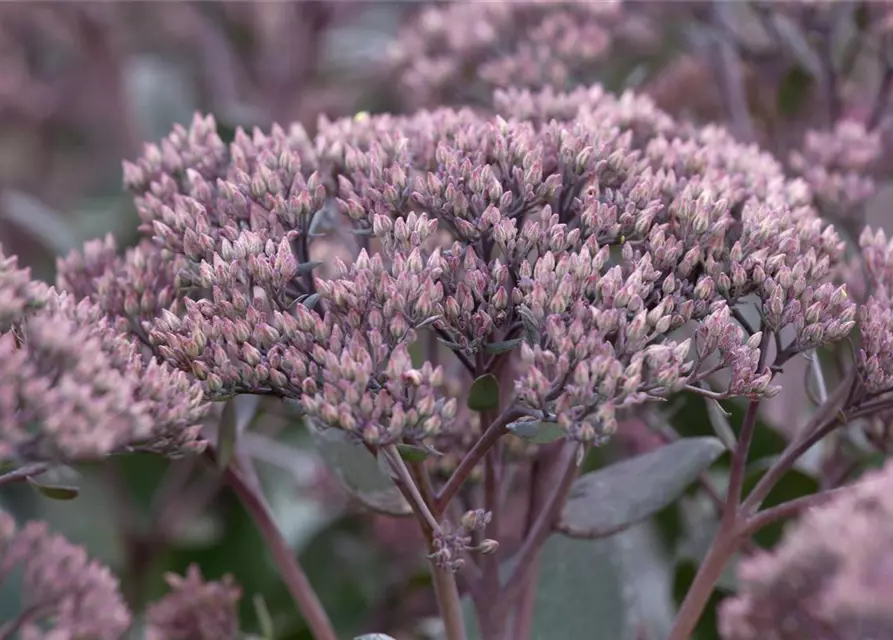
{"type": "Point", "coordinates": [727, 538]}
{"type": "Point", "coordinates": [289, 568]}
{"type": "Point", "coordinates": [445, 587]}
{"type": "Point", "coordinates": [723, 546]}
{"type": "Point", "coordinates": [787, 509]}
{"type": "Point", "coordinates": [448, 602]}
{"type": "Point", "coordinates": [494, 432]}
{"type": "Point", "coordinates": [23, 473]}
{"type": "Point", "coordinates": [417, 501]}
{"type": "Point", "coordinates": [566, 469]}
{"type": "Point", "coordinates": [739, 462]}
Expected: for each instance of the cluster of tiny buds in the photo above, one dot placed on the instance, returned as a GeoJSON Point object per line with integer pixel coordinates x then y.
{"type": "Point", "coordinates": [875, 361]}
{"type": "Point", "coordinates": [737, 352]}
{"type": "Point", "coordinates": [838, 166]}
{"type": "Point", "coordinates": [19, 294]}
{"type": "Point", "coordinates": [449, 546]}
{"type": "Point", "coordinates": [195, 608]}
{"type": "Point", "coordinates": [588, 240]}
{"type": "Point", "coordinates": [504, 43]}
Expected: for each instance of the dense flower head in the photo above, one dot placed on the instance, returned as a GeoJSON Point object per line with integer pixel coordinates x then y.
{"type": "Point", "coordinates": [195, 609]}
{"type": "Point", "coordinates": [459, 52]}
{"type": "Point", "coordinates": [576, 236]}
{"type": "Point", "coordinates": [830, 577]}
{"type": "Point", "coordinates": [61, 587]}
{"type": "Point", "coordinates": [72, 388]}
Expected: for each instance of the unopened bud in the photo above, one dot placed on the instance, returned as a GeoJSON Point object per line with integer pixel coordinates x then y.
{"type": "Point", "coordinates": [488, 546]}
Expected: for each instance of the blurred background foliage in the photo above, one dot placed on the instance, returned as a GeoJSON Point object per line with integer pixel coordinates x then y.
{"type": "Point", "coordinates": [82, 86]}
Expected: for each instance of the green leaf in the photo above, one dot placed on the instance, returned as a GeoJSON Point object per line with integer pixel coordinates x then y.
{"type": "Point", "coordinates": [428, 321]}
{"type": "Point", "coordinates": [55, 492]}
{"type": "Point", "coordinates": [531, 328]}
{"type": "Point", "coordinates": [719, 420]}
{"type": "Point", "coordinates": [503, 347]}
{"type": "Point", "coordinates": [794, 90]}
{"type": "Point", "coordinates": [862, 16]}
{"type": "Point", "coordinates": [237, 415]}
{"type": "Point", "coordinates": [484, 393]}
{"type": "Point", "coordinates": [700, 525]}
{"type": "Point", "coordinates": [449, 344]}
{"type": "Point", "coordinates": [537, 431]}
{"type": "Point", "coordinates": [613, 498]}
{"type": "Point", "coordinates": [264, 619]}
{"type": "Point", "coordinates": [689, 418]}
{"type": "Point", "coordinates": [646, 571]}
{"type": "Point", "coordinates": [620, 586]}
{"type": "Point", "coordinates": [794, 484]}
{"type": "Point", "coordinates": [307, 267]}
{"type": "Point", "coordinates": [359, 471]}
{"type": "Point", "coordinates": [310, 301]}
{"type": "Point", "coordinates": [412, 453]}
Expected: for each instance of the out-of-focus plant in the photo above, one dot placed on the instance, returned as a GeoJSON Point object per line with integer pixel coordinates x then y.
{"type": "Point", "coordinates": [469, 308]}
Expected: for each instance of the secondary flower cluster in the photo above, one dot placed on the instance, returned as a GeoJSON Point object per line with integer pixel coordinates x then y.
{"type": "Point", "coordinates": [19, 294]}
{"type": "Point", "coordinates": [463, 51]}
{"type": "Point", "coordinates": [67, 595]}
{"type": "Point", "coordinates": [576, 239]}
{"type": "Point", "coordinates": [195, 609]}
{"type": "Point", "coordinates": [60, 585]}
{"type": "Point", "coordinates": [875, 361]}
{"type": "Point", "coordinates": [829, 578]}
{"type": "Point", "coordinates": [73, 388]}
{"type": "Point", "coordinates": [838, 166]}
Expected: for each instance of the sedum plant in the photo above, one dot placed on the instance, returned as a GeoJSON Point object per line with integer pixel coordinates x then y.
{"type": "Point", "coordinates": [464, 306]}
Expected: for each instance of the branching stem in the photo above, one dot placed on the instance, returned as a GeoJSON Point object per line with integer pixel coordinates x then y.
{"type": "Point", "coordinates": [491, 436]}
{"type": "Point", "coordinates": [23, 473]}
{"type": "Point", "coordinates": [289, 568]}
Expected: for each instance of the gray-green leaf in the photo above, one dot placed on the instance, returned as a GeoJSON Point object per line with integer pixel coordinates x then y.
{"type": "Point", "coordinates": [719, 420]}
{"type": "Point", "coordinates": [237, 415]}
{"type": "Point", "coordinates": [537, 431]}
{"type": "Point", "coordinates": [264, 619]}
{"type": "Point", "coordinates": [307, 267]}
{"type": "Point", "coordinates": [531, 328]}
{"type": "Point", "coordinates": [359, 471]}
{"type": "Point", "coordinates": [310, 301]}
{"type": "Point", "coordinates": [503, 347]}
{"type": "Point", "coordinates": [412, 453]}
{"type": "Point", "coordinates": [613, 498]}
{"type": "Point", "coordinates": [589, 585]}
{"type": "Point", "coordinates": [55, 492]}
{"type": "Point", "coordinates": [484, 393]}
